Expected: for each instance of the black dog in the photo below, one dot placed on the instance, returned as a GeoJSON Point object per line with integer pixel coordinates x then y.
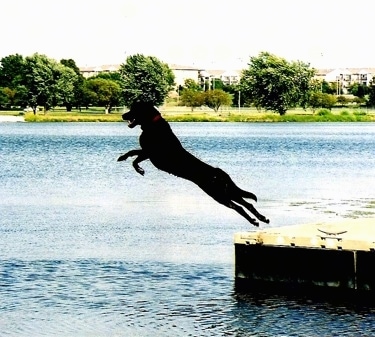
{"type": "Point", "coordinates": [162, 147]}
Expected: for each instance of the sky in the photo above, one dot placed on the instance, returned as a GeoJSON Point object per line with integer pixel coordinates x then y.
{"type": "Point", "coordinates": [209, 34]}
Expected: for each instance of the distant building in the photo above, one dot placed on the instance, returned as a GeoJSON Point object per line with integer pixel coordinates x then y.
{"type": "Point", "coordinates": [228, 77]}
{"type": "Point", "coordinates": [93, 71]}
{"type": "Point", "coordinates": [344, 77]}
{"type": "Point", "coordinates": [181, 73]}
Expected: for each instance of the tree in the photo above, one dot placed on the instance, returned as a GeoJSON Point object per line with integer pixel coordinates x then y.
{"type": "Point", "coordinates": [342, 100]}
{"type": "Point", "coordinates": [145, 79]}
{"type": "Point", "coordinates": [113, 76]}
{"type": "Point", "coordinates": [371, 95]}
{"type": "Point", "coordinates": [214, 99]}
{"type": "Point", "coordinates": [12, 75]}
{"type": "Point", "coordinates": [235, 91]}
{"type": "Point", "coordinates": [66, 86]}
{"type": "Point", "coordinates": [328, 101]}
{"type": "Point", "coordinates": [276, 84]}
{"type": "Point", "coordinates": [46, 81]}
{"type": "Point", "coordinates": [315, 100]}
{"type": "Point", "coordinates": [39, 80]}
{"type": "Point", "coordinates": [321, 100]}
{"type": "Point", "coordinates": [78, 99]}
{"type": "Point", "coordinates": [217, 83]}
{"type": "Point", "coordinates": [189, 83]}
{"type": "Point", "coordinates": [104, 92]}
{"type": "Point", "coordinates": [359, 90]}
{"type": "Point", "coordinates": [327, 88]}
{"type": "Point", "coordinates": [11, 71]}
{"type": "Point", "coordinates": [192, 98]}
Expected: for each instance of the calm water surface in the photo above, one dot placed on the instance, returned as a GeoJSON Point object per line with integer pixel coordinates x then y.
{"type": "Point", "coordinates": [91, 248]}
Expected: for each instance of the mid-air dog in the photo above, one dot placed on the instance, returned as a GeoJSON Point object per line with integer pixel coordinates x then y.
{"type": "Point", "coordinates": [162, 147]}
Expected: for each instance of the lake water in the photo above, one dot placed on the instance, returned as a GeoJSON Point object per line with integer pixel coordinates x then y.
{"type": "Point", "coordinates": [91, 248]}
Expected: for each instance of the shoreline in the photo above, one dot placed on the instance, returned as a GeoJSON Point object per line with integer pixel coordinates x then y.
{"type": "Point", "coordinates": [11, 119]}
{"type": "Point", "coordinates": [174, 116]}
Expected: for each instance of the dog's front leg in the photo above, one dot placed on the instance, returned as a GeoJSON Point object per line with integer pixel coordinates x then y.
{"type": "Point", "coordinates": [141, 157]}
{"type": "Point", "coordinates": [131, 153]}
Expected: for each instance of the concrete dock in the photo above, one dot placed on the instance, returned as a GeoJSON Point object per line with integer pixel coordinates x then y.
{"type": "Point", "coordinates": [329, 255]}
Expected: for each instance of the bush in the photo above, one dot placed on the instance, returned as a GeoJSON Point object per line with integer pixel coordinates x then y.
{"type": "Point", "coordinates": [324, 112]}
{"type": "Point", "coordinates": [359, 113]}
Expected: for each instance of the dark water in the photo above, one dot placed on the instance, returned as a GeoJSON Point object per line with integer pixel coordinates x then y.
{"type": "Point", "coordinates": [91, 248]}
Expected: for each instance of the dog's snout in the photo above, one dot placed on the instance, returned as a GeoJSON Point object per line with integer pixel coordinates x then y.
{"type": "Point", "coordinates": [126, 116]}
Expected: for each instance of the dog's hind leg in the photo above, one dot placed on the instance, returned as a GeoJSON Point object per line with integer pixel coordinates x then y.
{"type": "Point", "coordinates": [252, 209]}
{"type": "Point", "coordinates": [241, 211]}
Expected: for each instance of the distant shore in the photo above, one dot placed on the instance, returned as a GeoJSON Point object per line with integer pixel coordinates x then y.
{"type": "Point", "coordinates": [7, 118]}
{"type": "Point", "coordinates": [183, 114]}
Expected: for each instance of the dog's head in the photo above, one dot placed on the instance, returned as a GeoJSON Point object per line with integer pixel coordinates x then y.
{"type": "Point", "coordinates": [141, 114]}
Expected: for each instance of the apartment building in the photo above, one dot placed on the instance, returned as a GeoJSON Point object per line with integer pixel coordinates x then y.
{"type": "Point", "coordinates": [345, 77]}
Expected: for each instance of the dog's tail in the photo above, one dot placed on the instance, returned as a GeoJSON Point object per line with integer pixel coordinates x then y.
{"type": "Point", "coordinates": [248, 195]}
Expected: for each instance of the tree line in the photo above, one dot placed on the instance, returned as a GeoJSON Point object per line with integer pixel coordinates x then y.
{"type": "Point", "coordinates": [270, 82]}
{"type": "Point", "coordinates": [275, 84]}
{"type": "Point", "coordinates": [37, 80]}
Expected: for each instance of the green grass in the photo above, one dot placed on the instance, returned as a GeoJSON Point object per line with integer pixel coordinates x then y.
{"type": "Point", "coordinates": [72, 117]}
{"type": "Point", "coordinates": [252, 116]}
{"type": "Point", "coordinates": [184, 114]}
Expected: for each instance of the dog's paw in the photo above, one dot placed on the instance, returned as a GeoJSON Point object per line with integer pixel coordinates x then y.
{"type": "Point", "coordinates": [140, 170]}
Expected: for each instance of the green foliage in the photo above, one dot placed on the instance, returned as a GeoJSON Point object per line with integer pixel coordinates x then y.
{"type": "Point", "coordinates": [321, 100]}
{"type": "Point", "coordinates": [326, 88]}
{"type": "Point", "coordinates": [234, 91]}
{"type": "Point", "coordinates": [192, 98]}
{"type": "Point", "coordinates": [103, 92]}
{"type": "Point", "coordinates": [359, 90]}
{"type": "Point", "coordinates": [66, 86]}
{"type": "Point", "coordinates": [72, 65]}
{"type": "Point", "coordinates": [315, 100]}
{"type": "Point", "coordinates": [145, 79]}
{"type": "Point", "coordinates": [324, 112]}
{"type": "Point", "coordinates": [275, 84]}
{"type": "Point", "coordinates": [217, 83]}
{"type": "Point", "coordinates": [360, 113]}
{"type": "Point", "coordinates": [9, 95]}
{"type": "Point", "coordinates": [328, 101]}
{"type": "Point", "coordinates": [371, 95]}
{"type": "Point", "coordinates": [214, 99]}
{"type": "Point", "coordinates": [342, 100]}
{"type": "Point", "coordinates": [189, 83]}
{"type": "Point", "coordinates": [113, 76]}
{"type": "Point", "coordinates": [40, 81]}
{"type": "Point", "coordinates": [78, 98]}
{"type": "Point", "coordinates": [48, 83]}
{"type": "Point", "coordinates": [12, 73]}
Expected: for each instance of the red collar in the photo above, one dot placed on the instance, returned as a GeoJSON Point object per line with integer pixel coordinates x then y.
{"type": "Point", "coordinates": [156, 118]}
